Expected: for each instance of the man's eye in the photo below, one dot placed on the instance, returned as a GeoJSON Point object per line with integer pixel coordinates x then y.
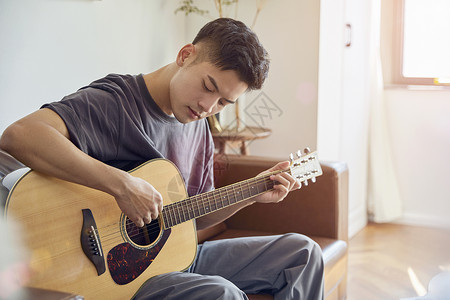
{"type": "Point", "coordinates": [206, 88]}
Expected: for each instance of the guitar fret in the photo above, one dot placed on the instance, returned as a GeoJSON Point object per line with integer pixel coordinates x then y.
{"type": "Point", "coordinates": [229, 196]}
{"type": "Point", "coordinates": [203, 204]}
{"type": "Point", "coordinates": [172, 215]}
{"type": "Point", "coordinates": [198, 207]}
{"type": "Point", "coordinates": [218, 201]}
{"type": "Point", "coordinates": [181, 208]}
{"type": "Point", "coordinates": [221, 200]}
{"type": "Point", "coordinates": [237, 194]}
{"type": "Point", "coordinates": [177, 215]}
{"type": "Point", "coordinates": [249, 190]}
{"type": "Point", "coordinates": [245, 191]}
{"type": "Point", "coordinates": [234, 194]}
{"type": "Point", "coordinates": [209, 203]}
{"type": "Point", "coordinates": [191, 208]}
{"type": "Point", "coordinates": [226, 197]}
{"type": "Point", "coordinates": [185, 206]}
{"type": "Point", "coordinates": [214, 200]}
{"type": "Point", "coordinates": [163, 215]}
{"type": "Point", "coordinates": [208, 206]}
{"type": "Point", "coordinates": [177, 212]}
{"type": "Point", "coordinates": [166, 218]}
{"type": "Point", "coordinates": [256, 186]}
{"type": "Point", "coordinates": [172, 223]}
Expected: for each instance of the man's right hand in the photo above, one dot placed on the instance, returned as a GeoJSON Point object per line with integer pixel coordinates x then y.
{"type": "Point", "coordinates": [139, 201]}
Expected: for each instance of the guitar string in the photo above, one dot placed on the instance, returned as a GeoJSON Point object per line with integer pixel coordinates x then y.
{"type": "Point", "coordinates": [138, 235]}
{"type": "Point", "coordinates": [197, 199]}
{"type": "Point", "coordinates": [155, 227]}
{"type": "Point", "coordinates": [200, 201]}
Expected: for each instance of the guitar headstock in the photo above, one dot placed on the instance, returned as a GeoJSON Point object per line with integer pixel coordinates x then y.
{"type": "Point", "coordinates": [305, 166]}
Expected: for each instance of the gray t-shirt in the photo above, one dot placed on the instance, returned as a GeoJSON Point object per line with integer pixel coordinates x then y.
{"type": "Point", "coordinates": [116, 121]}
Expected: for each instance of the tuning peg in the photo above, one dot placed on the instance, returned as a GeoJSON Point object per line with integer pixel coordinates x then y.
{"type": "Point", "coordinates": [313, 179]}
{"type": "Point", "coordinates": [299, 154]}
{"type": "Point", "coordinates": [291, 157]}
{"type": "Point", "coordinates": [306, 182]}
{"type": "Point", "coordinates": [307, 150]}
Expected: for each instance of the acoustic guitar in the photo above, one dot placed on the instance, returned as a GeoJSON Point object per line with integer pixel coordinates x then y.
{"type": "Point", "coordinates": [80, 242]}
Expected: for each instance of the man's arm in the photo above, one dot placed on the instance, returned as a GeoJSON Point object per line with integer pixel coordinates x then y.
{"type": "Point", "coordinates": [42, 142]}
{"type": "Point", "coordinates": [280, 191]}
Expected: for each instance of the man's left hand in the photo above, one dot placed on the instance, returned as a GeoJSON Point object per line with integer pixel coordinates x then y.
{"type": "Point", "coordinates": [285, 184]}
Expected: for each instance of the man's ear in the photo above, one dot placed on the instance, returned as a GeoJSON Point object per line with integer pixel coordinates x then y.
{"type": "Point", "coordinates": [187, 52]}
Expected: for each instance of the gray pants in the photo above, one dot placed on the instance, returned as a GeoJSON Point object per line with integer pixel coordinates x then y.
{"type": "Point", "coordinates": [288, 266]}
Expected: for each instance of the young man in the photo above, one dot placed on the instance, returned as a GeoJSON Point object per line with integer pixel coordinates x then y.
{"type": "Point", "coordinates": [118, 122]}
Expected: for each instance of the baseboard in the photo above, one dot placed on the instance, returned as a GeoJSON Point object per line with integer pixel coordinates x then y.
{"type": "Point", "coordinates": [357, 220]}
{"type": "Point", "coordinates": [423, 220]}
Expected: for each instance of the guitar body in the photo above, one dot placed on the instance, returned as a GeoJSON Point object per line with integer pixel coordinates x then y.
{"type": "Point", "coordinates": [53, 216]}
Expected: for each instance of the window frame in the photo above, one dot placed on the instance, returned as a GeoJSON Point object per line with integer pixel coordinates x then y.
{"type": "Point", "coordinates": [398, 77]}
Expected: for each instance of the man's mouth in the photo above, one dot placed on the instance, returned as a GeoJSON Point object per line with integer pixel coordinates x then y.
{"type": "Point", "coordinates": [196, 114]}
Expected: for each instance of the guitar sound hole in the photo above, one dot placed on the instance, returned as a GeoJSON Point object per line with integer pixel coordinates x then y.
{"type": "Point", "coordinates": [143, 236]}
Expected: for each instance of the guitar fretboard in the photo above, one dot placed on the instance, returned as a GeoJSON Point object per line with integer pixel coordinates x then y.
{"type": "Point", "coordinates": [203, 204]}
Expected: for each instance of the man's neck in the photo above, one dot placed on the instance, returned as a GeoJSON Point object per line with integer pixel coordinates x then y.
{"type": "Point", "coordinates": [158, 83]}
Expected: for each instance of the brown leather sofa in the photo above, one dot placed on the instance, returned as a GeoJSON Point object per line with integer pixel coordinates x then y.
{"type": "Point", "coordinates": [318, 210]}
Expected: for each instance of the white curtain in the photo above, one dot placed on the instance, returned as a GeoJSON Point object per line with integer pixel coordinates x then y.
{"type": "Point", "coordinates": [384, 201]}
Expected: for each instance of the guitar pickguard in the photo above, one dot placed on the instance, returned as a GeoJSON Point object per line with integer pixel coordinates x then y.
{"type": "Point", "coordinates": [126, 262]}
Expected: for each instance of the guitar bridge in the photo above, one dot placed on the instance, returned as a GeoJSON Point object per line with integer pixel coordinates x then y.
{"type": "Point", "coordinates": [90, 242]}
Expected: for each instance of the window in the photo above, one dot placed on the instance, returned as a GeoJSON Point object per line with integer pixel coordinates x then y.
{"type": "Point", "coordinates": [423, 42]}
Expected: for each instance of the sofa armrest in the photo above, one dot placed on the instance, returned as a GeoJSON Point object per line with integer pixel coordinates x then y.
{"type": "Point", "coordinates": [8, 163]}
{"type": "Point", "coordinates": [319, 209]}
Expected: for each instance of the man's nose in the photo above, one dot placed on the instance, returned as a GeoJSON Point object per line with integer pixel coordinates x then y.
{"type": "Point", "coordinates": [207, 104]}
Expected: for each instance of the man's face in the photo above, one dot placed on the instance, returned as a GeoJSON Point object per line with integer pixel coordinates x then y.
{"type": "Point", "coordinates": [200, 89]}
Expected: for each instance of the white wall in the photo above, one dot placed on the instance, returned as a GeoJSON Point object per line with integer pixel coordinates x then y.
{"type": "Point", "coordinates": [420, 136]}
{"type": "Point", "coordinates": [419, 126]}
{"type": "Point", "coordinates": [289, 30]}
{"type": "Point", "coordinates": [50, 48]}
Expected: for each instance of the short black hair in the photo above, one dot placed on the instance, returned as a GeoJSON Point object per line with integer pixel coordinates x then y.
{"type": "Point", "coordinates": [231, 45]}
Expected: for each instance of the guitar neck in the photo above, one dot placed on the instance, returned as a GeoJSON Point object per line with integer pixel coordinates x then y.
{"type": "Point", "coordinates": [206, 203]}
{"type": "Point", "coordinates": [302, 168]}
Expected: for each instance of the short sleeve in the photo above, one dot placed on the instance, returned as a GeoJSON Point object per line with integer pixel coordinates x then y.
{"type": "Point", "coordinates": [92, 119]}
